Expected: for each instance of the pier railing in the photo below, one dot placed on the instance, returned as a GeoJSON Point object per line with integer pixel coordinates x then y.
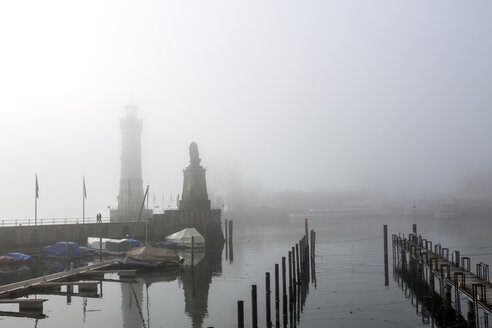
{"type": "Point", "coordinates": [53, 221]}
{"type": "Point", "coordinates": [442, 274]}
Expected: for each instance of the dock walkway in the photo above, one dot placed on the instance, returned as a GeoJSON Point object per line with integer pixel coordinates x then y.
{"type": "Point", "coordinates": [14, 289]}
{"type": "Point", "coordinates": [451, 273]}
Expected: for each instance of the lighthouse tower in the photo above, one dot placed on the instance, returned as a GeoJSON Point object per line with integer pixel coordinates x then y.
{"type": "Point", "coordinates": [131, 194]}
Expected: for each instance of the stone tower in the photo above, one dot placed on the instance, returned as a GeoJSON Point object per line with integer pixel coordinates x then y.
{"type": "Point", "coordinates": [194, 196]}
{"type": "Point", "coordinates": [131, 192]}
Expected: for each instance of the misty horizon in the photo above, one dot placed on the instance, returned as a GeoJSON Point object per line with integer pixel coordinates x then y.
{"type": "Point", "coordinates": [279, 96]}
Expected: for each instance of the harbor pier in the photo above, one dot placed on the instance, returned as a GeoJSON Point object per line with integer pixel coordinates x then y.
{"type": "Point", "coordinates": [443, 282]}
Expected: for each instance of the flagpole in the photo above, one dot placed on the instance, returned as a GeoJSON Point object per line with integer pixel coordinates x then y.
{"type": "Point", "coordinates": [35, 209]}
{"type": "Point", "coordinates": [36, 201]}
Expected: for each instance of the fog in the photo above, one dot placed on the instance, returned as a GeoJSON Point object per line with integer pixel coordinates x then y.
{"type": "Point", "coordinates": [279, 96]}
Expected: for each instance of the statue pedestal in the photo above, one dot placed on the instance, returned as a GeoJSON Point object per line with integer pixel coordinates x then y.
{"type": "Point", "coordinates": [195, 196]}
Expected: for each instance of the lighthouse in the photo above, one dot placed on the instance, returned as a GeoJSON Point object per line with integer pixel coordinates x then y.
{"type": "Point", "coordinates": [130, 196]}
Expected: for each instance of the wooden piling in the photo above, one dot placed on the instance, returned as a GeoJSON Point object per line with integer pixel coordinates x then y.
{"type": "Point", "coordinates": [301, 257]}
{"type": "Point", "coordinates": [294, 278]}
{"type": "Point", "coordinates": [291, 292]}
{"type": "Point", "coordinates": [306, 230]}
{"type": "Point", "coordinates": [240, 314]}
{"type": "Point", "coordinates": [298, 264]}
{"type": "Point", "coordinates": [386, 275]}
{"type": "Point", "coordinates": [268, 292]}
{"type": "Point", "coordinates": [230, 231]}
{"type": "Point", "coordinates": [313, 269]}
{"type": "Point", "coordinates": [277, 298]}
{"type": "Point", "coordinates": [313, 243]}
{"type": "Point", "coordinates": [231, 249]}
{"type": "Point", "coordinates": [226, 232]}
{"type": "Point", "coordinates": [284, 293]}
{"type": "Point", "coordinates": [254, 307]}
{"type": "Point", "coordinates": [307, 248]}
{"type": "Point", "coordinates": [290, 277]}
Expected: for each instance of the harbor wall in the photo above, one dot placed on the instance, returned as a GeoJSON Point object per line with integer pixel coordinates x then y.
{"type": "Point", "coordinates": [208, 223]}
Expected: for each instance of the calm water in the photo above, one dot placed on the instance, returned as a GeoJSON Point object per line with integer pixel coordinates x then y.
{"type": "Point", "coordinates": [350, 289]}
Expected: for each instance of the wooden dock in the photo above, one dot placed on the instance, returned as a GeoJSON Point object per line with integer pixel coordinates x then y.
{"type": "Point", "coordinates": [22, 288]}
{"type": "Point", "coordinates": [452, 272]}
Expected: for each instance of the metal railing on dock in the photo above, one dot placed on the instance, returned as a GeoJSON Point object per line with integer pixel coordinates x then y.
{"type": "Point", "coordinates": [430, 270]}
{"type": "Point", "coordinates": [51, 221]}
{"type": "Point", "coordinates": [58, 221]}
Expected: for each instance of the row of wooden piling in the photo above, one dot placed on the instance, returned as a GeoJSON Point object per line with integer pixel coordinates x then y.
{"type": "Point", "coordinates": [424, 260]}
{"type": "Point", "coordinates": [297, 269]}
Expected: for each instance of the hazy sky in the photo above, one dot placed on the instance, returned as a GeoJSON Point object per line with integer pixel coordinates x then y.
{"type": "Point", "coordinates": [294, 95]}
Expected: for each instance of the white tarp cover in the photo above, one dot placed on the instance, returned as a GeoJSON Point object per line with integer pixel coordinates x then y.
{"type": "Point", "coordinates": [183, 238]}
{"type": "Point", "coordinates": [93, 242]}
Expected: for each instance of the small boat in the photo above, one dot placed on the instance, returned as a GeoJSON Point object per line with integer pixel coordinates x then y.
{"type": "Point", "coordinates": [120, 246]}
{"type": "Point", "coordinates": [149, 257]}
{"type": "Point", "coordinates": [7, 260]}
{"type": "Point", "coordinates": [60, 249]}
{"type": "Point", "coordinates": [187, 237]}
{"type": "Point", "coordinates": [93, 242]}
{"type": "Point", "coordinates": [20, 256]}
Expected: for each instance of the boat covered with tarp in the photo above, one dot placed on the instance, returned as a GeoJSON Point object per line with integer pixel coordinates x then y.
{"type": "Point", "coordinates": [19, 256]}
{"type": "Point", "coordinates": [151, 257]}
{"type": "Point", "coordinates": [122, 245]}
{"type": "Point", "coordinates": [60, 249]}
{"type": "Point", "coordinates": [93, 242]}
{"type": "Point", "coordinates": [15, 259]}
{"type": "Point", "coordinates": [185, 237]}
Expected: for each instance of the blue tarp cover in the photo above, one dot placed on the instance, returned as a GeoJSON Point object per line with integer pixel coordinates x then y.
{"type": "Point", "coordinates": [60, 249]}
{"type": "Point", "coordinates": [20, 256]}
{"type": "Point", "coordinates": [136, 243]}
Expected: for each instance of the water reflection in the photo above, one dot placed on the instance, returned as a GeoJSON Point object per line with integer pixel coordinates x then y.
{"type": "Point", "coordinates": [434, 309]}
{"type": "Point", "coordinates": [195, 281]}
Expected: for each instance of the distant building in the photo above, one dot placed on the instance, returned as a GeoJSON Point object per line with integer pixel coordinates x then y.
{"type": "Point", "coordinates": [131, 193]}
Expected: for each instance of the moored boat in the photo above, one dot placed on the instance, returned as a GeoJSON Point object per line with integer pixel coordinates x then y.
{"type": "Point", "coordinates": [187, 238]}
{"type": "Point", "coordinates": [149, 257]}
{"type": "Point", "coordinates": [60, 249]}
